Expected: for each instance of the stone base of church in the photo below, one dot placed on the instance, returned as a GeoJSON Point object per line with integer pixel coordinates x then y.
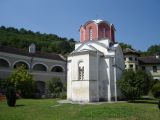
{"type": "Point", "coordinates": [83, 102]}
{"type": "Point", "coordinates": [93, 100]}
{"type": "Point", "coordinates": [84, 91]}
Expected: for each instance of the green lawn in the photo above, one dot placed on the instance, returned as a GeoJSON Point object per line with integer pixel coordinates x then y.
{"type": "Point", "coordinates": [49, 109]}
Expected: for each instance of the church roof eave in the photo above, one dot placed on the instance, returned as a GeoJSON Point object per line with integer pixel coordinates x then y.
{"type": "Point", "coordinates": [85, 52]}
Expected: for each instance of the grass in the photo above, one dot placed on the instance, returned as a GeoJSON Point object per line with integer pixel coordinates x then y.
{"type": "Point", "coordinates": [49, 109]}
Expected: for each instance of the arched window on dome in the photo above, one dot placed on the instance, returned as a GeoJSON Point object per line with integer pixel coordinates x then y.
{"type": "Point", "coordinates": [104, 32]}
{"type": "Point", "coordinates": [90, 33]}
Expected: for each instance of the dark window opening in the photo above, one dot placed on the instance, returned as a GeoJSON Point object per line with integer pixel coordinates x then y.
{"type": "Point", "coordinates": [154, 68]}
{"type": "Point", "coordinates": [130, 58]}
{"type": "Point", "coordinates": [135, 59]}
{"type": "Point", "coordinates": [131, 66]}
{"type": "Point", "coordinates": [4, 63]}
{"type": "Point", "coordinates": [39, 67]}
{"type": "Point", "coordinates": [57, 69]}
{"type": "Point", "coordinates": [143, 68]}
{"type": "Point", "coordinates": [19, 64]}
{"type": "Point", "coordinates": [136, 67]}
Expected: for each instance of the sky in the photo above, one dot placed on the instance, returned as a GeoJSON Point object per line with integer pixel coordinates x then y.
{"type": "Point", "coordinates": [137, 22]}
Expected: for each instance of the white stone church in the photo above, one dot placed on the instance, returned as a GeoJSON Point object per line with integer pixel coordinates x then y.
{"type": "Point", "coordinates": [95, 65]}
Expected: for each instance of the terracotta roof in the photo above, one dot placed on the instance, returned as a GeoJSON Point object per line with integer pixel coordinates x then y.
{"type": "Point", "coordinates": [130, 51]}
{"type": "Point", "coordinates": [149, 60]}
{"type": "Point", "coordinates": [17, 51]}
{"type": "Point", "coordinates": [98, 21]}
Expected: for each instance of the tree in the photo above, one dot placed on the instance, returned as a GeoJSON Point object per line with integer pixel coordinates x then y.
{"type": "Point", "coordinates": [55, 87]}
{"type": "Point", "coordinates": [22, 38]}
{"type": "Point", "coordinates": [134, 84]}
{"type": "Point", "coordinates": [154, 49]}
{"type": "Point", "coordinates": [156, 90]}
{"type": "Point", "coordinates": [22, 80]}
{"type": "Point", "coordinates": [124, 46]}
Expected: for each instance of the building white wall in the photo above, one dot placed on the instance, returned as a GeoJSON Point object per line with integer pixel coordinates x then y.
{"type": "Point", "coordinates": [148, 67]}
{"type": "Point", "coordinates": [149, 70]}
{"type": "Point", "coordinates": [129, 62]}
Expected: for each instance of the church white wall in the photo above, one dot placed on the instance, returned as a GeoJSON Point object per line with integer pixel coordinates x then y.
{"type": "Point", "coordinates": [69, 83]}
{"type": "Point", "coordinates": [103, 66]}
{"type": "Point", "coordinates": [78, 90]}
{"type": "Point", "coordinates": [75, 61]}
{"type": "Point", "coordinates": [105, 42]}
{"type": "Point", "coordinates": [112, 81]}
{"type": "Point", "coordinates": [93, 91]}
{"type": "Point", "coordinates": [103, 78]}
{"type": "Point", "coordinates": [103, 46]}
{"type": "Point", "coordinates": [119, 59]}
{"type": "Point", "coordinates": [93, 68]}
{"type": "Point", "coordinates": [118, 74]}
{"type": "Point", "coordinates": [94, 77]}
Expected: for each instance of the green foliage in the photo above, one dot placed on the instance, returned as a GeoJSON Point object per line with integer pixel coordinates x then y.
{"type": "Point", "coordinates": [153, 49]}
{"type": "Point", "coordinates": [11, 96]}
{"type": "Point", "coordinates": [134, 84]}
{"type": "Point", "coordinates": [45, 42]}
{"type": "Point", "coordinates": [143, 53]}
{"type": "Point", "coordinates": [3, 85]}
{"type": "Point", "coordinates": [56, 87]}
{"type": "Point", "coordinates": [22, 80]}
{"type": "Point", "coordinates": [156, 90]}
{"type": "Point", "coordinates": [143, 81]}
{"type": "Point", "coordinates": [124, 46]}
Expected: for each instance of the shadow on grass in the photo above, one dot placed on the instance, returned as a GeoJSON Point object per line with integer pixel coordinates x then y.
{"type": "Point", "coordinates": [145, 100]}
{"type": "Point", "coordinates": [19, 105]}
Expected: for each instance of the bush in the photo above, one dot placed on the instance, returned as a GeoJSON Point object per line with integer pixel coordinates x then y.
{"type": "Point", "coordinates": [63, 95]}
{"type": "Point", "coordinates": [23, 81]}
{"type": "Point", "coordinates": [2, 85]}
{"type": "Point", "coordinates": [134, 84]}
{"type": "Point", "coordinates": [11, 96]}
{"type": "Point", "coordinates": [55, 87]}
{"type": "Point", "coordinates": [156, 90]}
